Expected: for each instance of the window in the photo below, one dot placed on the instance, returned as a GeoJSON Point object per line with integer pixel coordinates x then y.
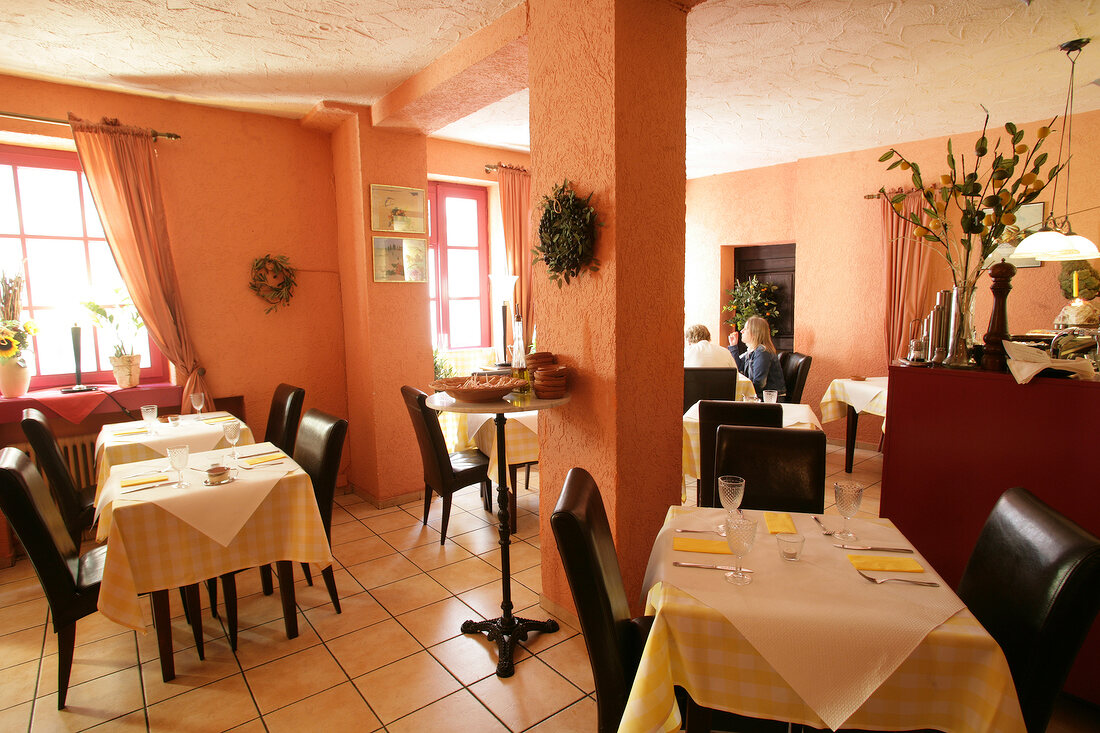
{"type": "Point", "coordinates": [51, 233]}
{"type": "Point", "coordinates": [458, 270]}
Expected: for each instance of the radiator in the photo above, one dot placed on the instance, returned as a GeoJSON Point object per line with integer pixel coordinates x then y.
{"type": "Point", "coordinates": [78, 451]}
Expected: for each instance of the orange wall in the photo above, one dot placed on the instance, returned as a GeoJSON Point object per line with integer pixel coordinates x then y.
{"type": "Point", "coordinates": [460, 160]}
{"type": "Point", "coordinates": [819, 204]}
{"type": "Point", "coordinates": [237, 186]}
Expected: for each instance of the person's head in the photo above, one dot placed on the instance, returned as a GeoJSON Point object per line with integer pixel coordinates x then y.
{"type": "Point", "coordinates": [695, 334]}
{"type": "Point", "coordinates": [758, 333]}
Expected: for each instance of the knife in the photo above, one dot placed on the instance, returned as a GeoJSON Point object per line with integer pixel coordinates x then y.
{"type": "Point", "coordinates": [727, 568]}
{"type": "Point", "coordinates": [875, 549]}
{"type": "Point", "coordinates": [256, 455]}
{"type": "Point", "coordinates": [151, 486]}
{"type": "Point", "coordinates": [699, 531]}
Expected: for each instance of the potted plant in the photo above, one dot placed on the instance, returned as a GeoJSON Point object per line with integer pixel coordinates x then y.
{"type": "Point", "coordinates": [125, 322]}
{"type": "Point", "coordinates": [15, 339]}
{"type": "Point", "coordinates": [752, 298]}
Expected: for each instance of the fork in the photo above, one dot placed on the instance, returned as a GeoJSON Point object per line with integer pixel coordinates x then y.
{"type": "Point", "coordinates": [824, 531]}
{"type": "Point", "coordinates": [897, 580]}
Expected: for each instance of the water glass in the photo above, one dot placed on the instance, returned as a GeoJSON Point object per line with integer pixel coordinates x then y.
{"type": "Point", "coordinates": [173, 421]}
{"type": "Point", "coordinates": [177, 457]}
{"type": "Point", "coordinates": [149, 415]}
{"type": "Point", "coordinates": [771, 395]}
{"type": "Point", "coordinates": [231, 429]}
{"type": "Point", "coordinates": [790, 546]}
{"type": "Point", "coordinates": [740, 535]}
{"type": "Point", "coordinates": [849, 494]}
{"type": "Point", "coordinates": [198, 399]}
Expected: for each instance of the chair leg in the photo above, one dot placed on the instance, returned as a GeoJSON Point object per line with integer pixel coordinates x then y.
{"type": "Point", "coordinates": [66, 642]}
{"type": "Point", "coordinates": [330, 583]}
{"type": "Point", "coordinates": [192, 599]}
{"type": "Point", "coordinates": [309, 575]}
{"type": "Point", "coordinates": [446, 518]}
{"type": "Point", "coordinates": [212, 591]}
{"type": "Point", "coordinates": [265, 580]}
{"type": "Point", "coordinates": [487, 495]}
{"type": "Point", "coordinates": [285, 569]}
{"type": "Point", "coordinates": [427, 502]}
{"type": "Point", "coordinates": [163, 624]}
{"type": "Point", "coordinates": [229, 590]}
{"type": "Point", "coordinates": [186, 605]}
{"type": "Point", "coordinates": [698, 718]}
{"type": "Point", "coordinates": [527, 477]}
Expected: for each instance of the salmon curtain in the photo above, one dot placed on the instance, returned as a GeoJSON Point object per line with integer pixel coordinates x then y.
{"type": "Point", "coordinates": [120, 163]}
{"type": "Point", "coordinates": [515, 202]}
{"type": "Point", "coordinates": [908, 293]}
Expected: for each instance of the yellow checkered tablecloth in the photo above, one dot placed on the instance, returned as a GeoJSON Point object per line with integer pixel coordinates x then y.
{"type": "Point", "coordinates": [150, 549]}
{"type": "Point", "coordinates": [868, 395]}
{"type": "Point", "coordinates": [522, 442]}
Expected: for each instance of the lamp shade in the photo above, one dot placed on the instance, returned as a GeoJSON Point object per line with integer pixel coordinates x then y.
{"type": "Point", "coordinates": [1045, 244]}
{"type": "Point", "coordinates": [1080, 249]}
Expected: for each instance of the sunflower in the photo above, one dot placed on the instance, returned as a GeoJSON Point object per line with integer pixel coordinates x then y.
{"type": "Point", "coordinates": [8, 347]}
{"type": "Point", "coordinates": [31, 328]}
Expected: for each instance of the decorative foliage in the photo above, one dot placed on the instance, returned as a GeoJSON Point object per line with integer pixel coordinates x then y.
{"type": "Point", "coordinates": [11, 297]}
{"type": "Point", "coordinates": [1088, 281]}
{"type": "Point", "coordinates": [443, 368]}
{"type": "Point", "coordinates": [15, 336]}
{"type": "Point", "coordinates": [124, 321]}
{"type": "Point", "coordinates": [971, 208]}
{"type": "Point", "coordinates": [752, 298]}
{"type": "Point", "coordinates": [273, 279]}
{"type": "Point", "coordinates": [567, 234]}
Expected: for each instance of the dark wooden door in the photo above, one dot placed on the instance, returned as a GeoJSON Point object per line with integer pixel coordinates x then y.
{"type": "Point", "coordinates": [773, 263]}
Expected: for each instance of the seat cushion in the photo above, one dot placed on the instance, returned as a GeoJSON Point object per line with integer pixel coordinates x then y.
{"type": "Point", "coordinates": [470, 466]}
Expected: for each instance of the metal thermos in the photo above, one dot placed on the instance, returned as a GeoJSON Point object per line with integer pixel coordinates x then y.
{"type": "Point", "coordinates": [940, 327]}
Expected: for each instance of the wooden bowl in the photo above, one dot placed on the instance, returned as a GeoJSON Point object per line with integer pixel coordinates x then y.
{"type": "Point", "coordinates": [458, 388]}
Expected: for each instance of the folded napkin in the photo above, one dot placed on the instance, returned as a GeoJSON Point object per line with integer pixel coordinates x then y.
{"type": "Point", "coordinates": [132, 432]}
{"type": "Point", "coordinates": [779, 522]}
{"type": "Point", "coordinates": [128, 482]}
{"type": "Point", "coordinates": [223, 418]}
{"type": "Point", "coordinates": [893, 564]}
{"type": "Point", "coordinates": [264, 459]}
{"type": "Point", "coordinates": [694, 544]}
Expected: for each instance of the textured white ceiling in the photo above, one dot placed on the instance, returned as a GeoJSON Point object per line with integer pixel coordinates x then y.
{"type": "Point", "coordinates": [769, 81]}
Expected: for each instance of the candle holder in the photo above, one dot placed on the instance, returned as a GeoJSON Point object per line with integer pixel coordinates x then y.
{"type": "Point", "coordinates": [77, 386]}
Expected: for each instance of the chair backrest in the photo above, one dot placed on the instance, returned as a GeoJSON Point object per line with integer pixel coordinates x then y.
{"type": "Point", "coordinates": [282, 418]}
{"type": "Point", "coordinates": [587, 552]}
{"type": "Point", "coordinates": [429, 437]}
{"type": "Point", "coordinates": [46, 449]}
{"type": "Point", "coordinates": [712, 414]}
{"type": "Point", "coordinates": [709, 383]}
{"type": "Point", "coordinates": [38, 523]}
{"type": "Point", "coordinates": [795, 368]}
{"type": "Point", "coordinates": [783, 468]}
{"type": "Point", "coordinates": [1033, 581]}
{"type": "Point", "coordinates": [318, 449]}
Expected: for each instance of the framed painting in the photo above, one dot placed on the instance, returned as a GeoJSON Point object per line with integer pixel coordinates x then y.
{"type": "Point", "coordinates": [398, 209]}
{"type": "Point", "coordinates": [1029, 218]}
{"type": "Point", "coordinates": [398, 260]}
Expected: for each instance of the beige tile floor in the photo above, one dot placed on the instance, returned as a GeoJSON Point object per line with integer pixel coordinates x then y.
{"type": "Point", "coordinates": [394, 660]}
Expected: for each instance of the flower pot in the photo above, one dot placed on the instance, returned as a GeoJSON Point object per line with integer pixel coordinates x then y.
{"type": "Point", "coordinates": [15, 380]}
{"type": "Point", "coordinates": [127, 370]}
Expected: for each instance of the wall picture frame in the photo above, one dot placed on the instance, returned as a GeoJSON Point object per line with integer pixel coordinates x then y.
{"type": "Point", "coordinates": [398, 209]}
{"type": "Point", "coordinates": [1029, 218]}
{"type": "Point", "coordinates": [400, 260]}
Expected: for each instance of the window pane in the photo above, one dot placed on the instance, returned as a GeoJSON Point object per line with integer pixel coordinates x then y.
{"type": "Point", "coordinates": [9, 219]}
{"type": "Point", "coordinates": [106, 282]}
{"type": "Point", "coordinates": [50, 201]}
{"type": "Point", "coordinates": [11, 256]}
{"type": "Point", "coordinates": [462, 227]}
{"type": "Point", "coordinates": [465, 323]}
{"type": "Point", "coordinates": [433, 285]}
{"type": "Point", "coordinates": [95, 227]}
{"type": "Point", "coordinates": [435, 326]}
{"type": "Point", "coordinates": [463, 273]}
{"type": "Point", "coordinates": [55, 344]}
{"type": "Point", "coordinates": [58, 273]}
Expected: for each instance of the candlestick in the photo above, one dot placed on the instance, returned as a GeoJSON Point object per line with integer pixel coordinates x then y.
{"type": "Point", "coordinates": [77, 386]}
{"type": "Point", "coordinates": [1075, 283]}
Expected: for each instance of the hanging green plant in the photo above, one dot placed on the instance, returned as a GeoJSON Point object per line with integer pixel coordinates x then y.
{"type": "Point", "coordinates": [749, 298]}
{"type": "Point", "coordinates": [567, 234]}
{"type": "Point", "coordinates": [273, 280]}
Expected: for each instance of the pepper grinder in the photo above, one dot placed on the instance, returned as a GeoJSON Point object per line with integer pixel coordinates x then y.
{"type": "Point", "coordinates": [993, 357]}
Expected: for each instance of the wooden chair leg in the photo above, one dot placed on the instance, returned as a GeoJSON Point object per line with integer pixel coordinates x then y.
{"type": "Point", "coordinates": [286, 592]}
{"type": "Point", "coordinates": [446, 518]}
{"type": "Point", "coordinates": [266, 581]}
{"type": "Point", "coordinates": [162, 622]}
{"type": "Point", "coordinates": [308, 574]}
{"type": "Point", "coordinates": [194, 601]}
{"type": "Point", "coordinates": [427, 502]}
{"type": "Point", "coordinates": [698, 718]}
{"type": "Point", "coordinates": [229, 590]}
{"type": "Point", "coordinates": [527, 477]}
{"type": "Point", "coordinates": [186, 605]}
{"type": "Point", "coordinates": [212, 591]}
{"type": "Point", "coordinates": [330, 583]}
{"type": "Point", "coordinates": [66, 642]}
{"type": "Point", "coordinates": [487, 495]}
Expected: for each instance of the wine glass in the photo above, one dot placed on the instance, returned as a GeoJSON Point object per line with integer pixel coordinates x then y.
{"type": "Point", "coordinates": [232, 432]}
{"type": "Point", "coordinates": [198, 399]}
{"type": "Point", "coordinates": [848, 496]}
{"type": "Point", "coordinates": [730, 491]}
{"type": "Point", "coordinates": [177, 456]}
{"type": "Point", "coordinates": [740, 534]}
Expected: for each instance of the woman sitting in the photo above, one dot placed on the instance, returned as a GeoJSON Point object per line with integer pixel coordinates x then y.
{"type": "Point", "coordinates": [700, 352]}
{"type": "Point", "coordinates": [759, 363]}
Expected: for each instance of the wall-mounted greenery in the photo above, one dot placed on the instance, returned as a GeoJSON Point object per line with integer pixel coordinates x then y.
{"type": "Point", "coordinates": [567, 234]}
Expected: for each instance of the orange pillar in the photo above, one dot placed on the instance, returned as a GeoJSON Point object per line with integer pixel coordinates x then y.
{"type": "Point", "coordinates": [608, 90]}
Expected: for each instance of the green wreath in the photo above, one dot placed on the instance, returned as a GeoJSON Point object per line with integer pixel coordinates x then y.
{"type": "Point", "coordinates": [567, 234]}
{"type": "Point", "coordinates": [273, 279]}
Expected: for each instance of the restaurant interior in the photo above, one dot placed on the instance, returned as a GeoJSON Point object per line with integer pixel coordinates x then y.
{"type": "Point", "coordinates": [307, 286]}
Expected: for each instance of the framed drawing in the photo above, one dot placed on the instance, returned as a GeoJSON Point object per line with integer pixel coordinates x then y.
{"type": "Point", "coordinates": [398, 209]}
{"type": "Point", "coordinates": [1029, 218]}
{"type": "Point", "coordinates": [399, 260]}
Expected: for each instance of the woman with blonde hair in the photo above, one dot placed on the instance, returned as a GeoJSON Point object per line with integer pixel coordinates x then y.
{"type": "Point", "coordinates": [759, 363]}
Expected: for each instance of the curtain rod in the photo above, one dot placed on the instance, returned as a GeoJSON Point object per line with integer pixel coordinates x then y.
{"type": "Point", "coordinates": [493, 167]}
{"type": "Point", "coordinates": [52, 121]}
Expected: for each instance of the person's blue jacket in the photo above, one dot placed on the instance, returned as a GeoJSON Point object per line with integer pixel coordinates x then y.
{"type": "Point", "coordinates": [762, 368]}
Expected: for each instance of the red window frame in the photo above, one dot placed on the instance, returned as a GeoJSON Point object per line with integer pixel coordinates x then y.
{"type": "Point", "coordinates": [17, 156]}
{"type": "Point", "coordinates": [438, 246]}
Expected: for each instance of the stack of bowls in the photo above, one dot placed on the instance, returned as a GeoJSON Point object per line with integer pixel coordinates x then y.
{"type": "Point", "coordinates": [550, 382]}
{"type": "Point", "coordinates": [538, 359]}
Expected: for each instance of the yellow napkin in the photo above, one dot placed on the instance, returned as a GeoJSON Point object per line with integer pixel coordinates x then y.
{"type": "Point", "coordinates": [131, 432]}
{"type": "Point", "coordinates": [694, 544]}
{"type": "Point", "coordinates": [779, 522]}
{"type": "Point", "coordinates": [223, 418]}
{"type": "Point", "coordinates": [264, 459]}
{"type": "Point", "coordinates": [893, 564]}
{"type": "Point", "coordinates": [128, 482]}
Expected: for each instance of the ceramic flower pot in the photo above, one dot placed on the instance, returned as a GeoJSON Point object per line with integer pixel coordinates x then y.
{"type": "Point", "coordinates": [127, 370]}
{"type": "Point", "coordinates": [15, 380]}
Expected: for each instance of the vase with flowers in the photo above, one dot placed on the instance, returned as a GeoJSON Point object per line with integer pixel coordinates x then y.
{"type": "Point", "coordinates": [15, 338]}
{"type": "Point", "coordinates": [126, 324]}
{"type": "Point", "coordinates": [972, 210]}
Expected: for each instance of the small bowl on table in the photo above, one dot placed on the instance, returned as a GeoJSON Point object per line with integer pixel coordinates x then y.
{"type": "Point", "coordinates": [468, 389]}
{"type": "Point", "coordinates": [550, 382]}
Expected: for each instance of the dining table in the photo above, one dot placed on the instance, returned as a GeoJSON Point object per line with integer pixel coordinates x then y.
{"type": "Point", "coordinates": [853, 396]}
{"type": "Point", "coordinates": [812, 642]}
{"type": "Point", "coordinates": [161, 536]}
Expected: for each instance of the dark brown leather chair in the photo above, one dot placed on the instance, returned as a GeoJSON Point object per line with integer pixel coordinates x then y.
{"type": "Point", "coordinates": [709, 383]}
{"type": "Point", "coordinates": [283, 417]}
{"type": "Point", "coordinates": [795, 368]}
{"type": "Point", "coordinates": [444, 473]}
{"type": "Point", "coordinates": [77, 504]}
{"type": "Point", "coordinates": [784, 469]}
{"type": "Point", "coordinates": [1033, 581]}
{"type": "Point", "coordinates": [714, 413]}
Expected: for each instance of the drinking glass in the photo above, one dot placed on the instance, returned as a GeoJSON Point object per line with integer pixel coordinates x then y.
{"type": "Point", "coordinates": [177, 456]}
{"type": "Point", "coordinates": [232, 432]}
{"type": "Point", "coordinates": [730, 491]}
{"type": "Point", "coordinates": [740, 534]}
{"type": "Point", "coordinates": [149, 415]}
{"type": "Point", "coordinates": [771, 395]}
{"type": "Point", "coordinates": [848, 496]}
{"type": "Point", "coordinates": [198, 399]}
